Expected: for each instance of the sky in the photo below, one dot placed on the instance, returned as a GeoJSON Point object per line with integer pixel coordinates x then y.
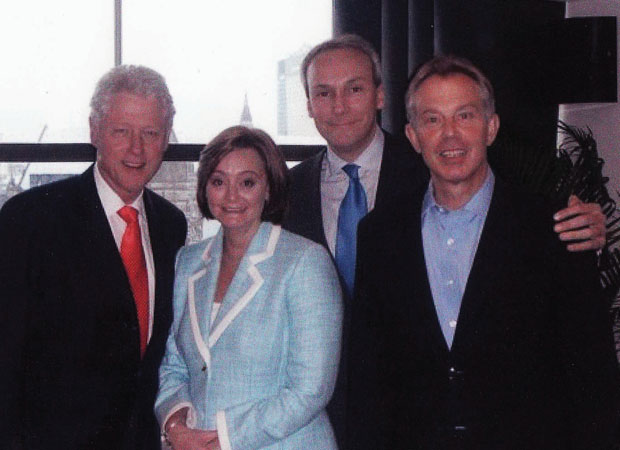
{"type": "Point", "coordinates": [210, 52]}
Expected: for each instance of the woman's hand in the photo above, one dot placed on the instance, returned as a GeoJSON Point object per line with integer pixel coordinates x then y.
{"type": "Point", "coordinates": [215, 443]}
{"type": "Point", "coordinates": [180, 437]}
{"type": "Point", "coordinates": [183, 438]}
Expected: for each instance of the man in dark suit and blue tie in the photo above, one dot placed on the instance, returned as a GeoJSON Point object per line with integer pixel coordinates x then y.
{"type": "Point", "coordinates": [342, 81]}
{"type": "Point", "coordinates": [472, 327]}
{"type": "Point", "coordinates": [361, 166]}
{"type": "Point", "coordinates": [86, 273]}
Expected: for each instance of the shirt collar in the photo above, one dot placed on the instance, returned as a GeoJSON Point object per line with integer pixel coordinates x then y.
{"type": "Point", "coordinates": [477, 205]}
{"type": "Point", "coordinates": [110, 200]}
{"type": "Point", "coordinates": [368, 160]}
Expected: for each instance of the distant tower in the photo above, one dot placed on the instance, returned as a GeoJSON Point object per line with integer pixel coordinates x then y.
{"type": "Point", "coordinates": [292, 113]}
{"type": "Point", "coordinates": [246, 116]}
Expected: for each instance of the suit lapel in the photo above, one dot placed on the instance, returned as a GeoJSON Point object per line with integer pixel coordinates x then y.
{"type": "Point", "coordinates": [93, 236]}
{"type": "Point", "coordinates": [315, 212]}
{"type": "Point", "coordinates": [163, 267]}
{"type": "Point", "coordinates": [422, 296]}
{"type": "Point", "coordinates": [247, 280]}
{"type": "Point", "coordinates": [201, 287]}
{"type": "Point", "coordinates": [491, 251]}
{"type": "Point", "coordinates": [243, 287]}
{"type": "Point", "coordinates": [388, 174]}
{"type": "Point", "coordinates": [402, 170]}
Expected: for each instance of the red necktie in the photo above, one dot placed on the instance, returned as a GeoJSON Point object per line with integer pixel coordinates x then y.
{"type": "Point", "coordinates": [135, 266]}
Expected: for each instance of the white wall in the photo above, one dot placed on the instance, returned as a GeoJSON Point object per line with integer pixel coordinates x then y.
{"type": "Point", "coordinates": [602, 118]}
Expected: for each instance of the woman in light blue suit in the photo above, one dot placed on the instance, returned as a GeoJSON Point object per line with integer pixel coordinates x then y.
{"type": "Point", "coordinates": [253, 351]}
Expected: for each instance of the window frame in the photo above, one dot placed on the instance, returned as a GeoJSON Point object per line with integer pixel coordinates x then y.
{"type": "Point", "coordinates": [73, 152]}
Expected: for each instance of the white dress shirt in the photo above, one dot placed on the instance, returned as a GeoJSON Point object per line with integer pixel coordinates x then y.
{"type": "Point", "coordinates": [335, 182]}
{"type": "Point", "coordinates": [111, 203]}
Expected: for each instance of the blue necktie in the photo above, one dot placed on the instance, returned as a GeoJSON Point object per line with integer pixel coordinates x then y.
{"type": "Point", "coordinates": [352, 209]}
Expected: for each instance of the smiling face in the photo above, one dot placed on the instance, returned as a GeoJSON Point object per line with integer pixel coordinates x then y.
{"type": "Point", "coordinates": [237, 190]}
{"type": "Point", "coordinates": [131, 140]}
{"type": "Point", "coordinates": [452, 132]}
{"type": "Point", "coordinates": [343, 100]}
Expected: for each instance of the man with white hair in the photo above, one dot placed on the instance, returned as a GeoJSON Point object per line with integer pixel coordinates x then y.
{"type": "Point", "coordinates": [86, 274]}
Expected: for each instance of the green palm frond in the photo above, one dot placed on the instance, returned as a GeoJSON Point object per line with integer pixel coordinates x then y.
{"type": "Point", "coordinates": [610, 271]}
{"type": "Point", "coordinates": [613, 231]}
{"type": "Point", "coordinates": [609, 265]}
{"type": "Point", "coordinates": [585, 176]}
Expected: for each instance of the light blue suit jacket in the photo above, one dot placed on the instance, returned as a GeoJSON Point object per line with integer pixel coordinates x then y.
{"type": "Point", "coordinates": [263, 372]}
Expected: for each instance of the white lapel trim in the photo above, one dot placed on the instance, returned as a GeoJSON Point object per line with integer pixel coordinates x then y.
{"type": "Point", "coordinates": [257, 282]}
{"type": "Point", "coordinates": [203, 348]}
{"type": "Point", "coordinates": [193, 317]}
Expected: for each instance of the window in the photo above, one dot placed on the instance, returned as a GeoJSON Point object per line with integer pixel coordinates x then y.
{"type": "Point", "coordinates": [225, 63]}
{"type": "Point", "coordinates": [216, 55]}
{"type": "Point", "coordinates": [53, 54]}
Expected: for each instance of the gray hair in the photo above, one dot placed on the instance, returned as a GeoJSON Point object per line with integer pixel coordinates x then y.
{"type": "Point", "coordinates": [347, 42]}
{"type": "Point", "coordinates": [137, 80]}
{"type": "Point", "coordinates": [444, 66]}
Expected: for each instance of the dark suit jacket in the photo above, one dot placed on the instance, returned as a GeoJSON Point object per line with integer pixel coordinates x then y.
{"type": "Point", "coordinates": [401, 170]}
{"type": "Point", "coordinates": [72, 377]}
{"type": "Point", "coordinates": [532, 364]}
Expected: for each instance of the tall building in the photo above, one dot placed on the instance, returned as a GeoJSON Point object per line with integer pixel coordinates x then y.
{"type": "Point", "coordinates": [246, 115]}
{"type": "Point", "coordinates": [293, 117]}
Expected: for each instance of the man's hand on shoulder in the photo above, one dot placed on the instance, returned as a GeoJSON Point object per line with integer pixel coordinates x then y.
{"type": "Point", "coordinates": [581, 222]}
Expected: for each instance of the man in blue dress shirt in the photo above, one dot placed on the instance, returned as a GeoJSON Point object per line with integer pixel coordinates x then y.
{"type": "Point", "coordinates": [472, 327]}
{"type": "Point", "coordinates": [450, 240]}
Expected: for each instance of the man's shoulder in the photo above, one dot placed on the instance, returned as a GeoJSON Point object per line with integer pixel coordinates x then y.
{"type": "Point", "coordinates": [309, 167]}
{"type": "Point", "coordinates": [402, 168]}
{"type": "Point", "coordinates": [164, 206]}
{"type": "Point", "coordinates": [168, 218]}
{"type": "Point", "coordinates": [396, 142]}
{"type": "Point", "coordinates": [42, 200]}
{"type": "Point", "coordinates": [400, 149]}
{"type": "Point", "coordinates": [304, 197]}
{"type": "Point", "coordinates": [518, 204]}
{"type": "Point", "coordinates": [523, 222]}
{"type": "Point", "coordinates": [398, 209]}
